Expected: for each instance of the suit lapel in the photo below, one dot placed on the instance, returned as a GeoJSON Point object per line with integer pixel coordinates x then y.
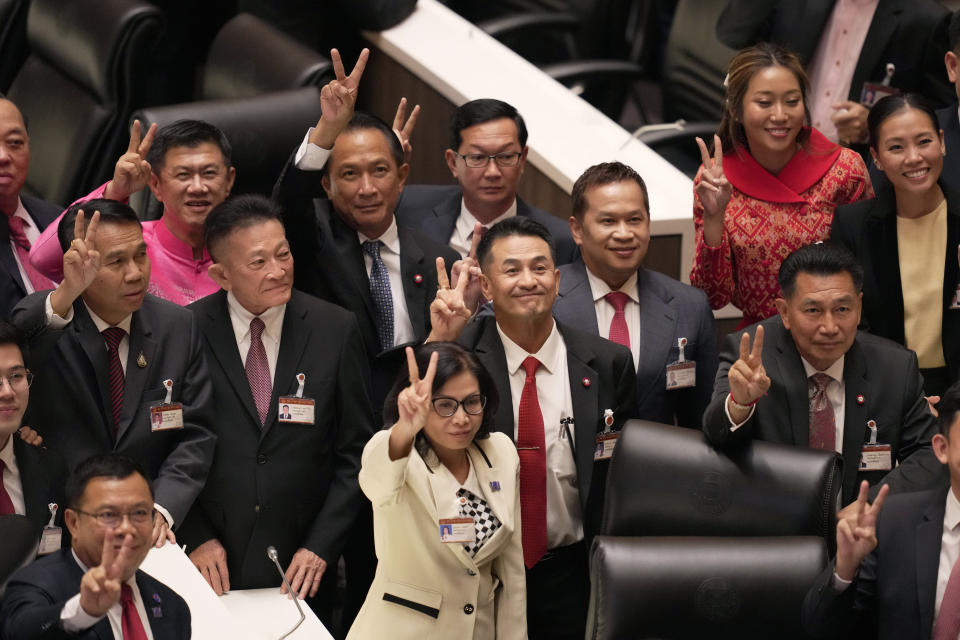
{"type": "Point", "coordinates": [575, 304]}
{"type": "Point", "coordinates": [657, 328]}
{"type": "Point", "coordinates": [91, 342]}
{"type": "Point", "coordinates": [136, 377]}
{"type": "Point", "coordinates": [440, 226]}
{"type": "Point", "coordinates": [885, 21]}
{"type": "Point", "coordinates": [488, 473]}
{"type": "Point", "coordinates": [882, 242]}
{"type": "Point", "coordinates": [34, 481]}
{"type": "Point", "coordinates": [856, 383]}
{"type": "Point", "coordinates": [427, 492]}
{"type": "Point", "coordinates": [951, 277]}
{"type": "Point", "coordinates": [796, 396]}
{"type": "Point", "coordinates": [351, 267]}
{"type": "Point", "coordinates": [294, 337]}
{"type": "Point", "coordinates": [929, 535]}
{"type": "Point", "coordinates": [218, 331]}
{"type": "Point", "coordinates": [411, 266]}
{"type": "Point", "coordinates": [585, 410]}
{"type": "Point", "coordinates": [489, 350]}
{"type": "Point", "coordinates": [160, 615]}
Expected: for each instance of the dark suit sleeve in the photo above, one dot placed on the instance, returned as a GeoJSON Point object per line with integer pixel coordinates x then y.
{"type": "Point", "coordinates": [30, 612]}
{"type": "Point", "coordinates": [29, 316]}
{"type": "Point", "coordinates": [694, 401]}
{"type": "Point", "coordinates": [354, 428]}
{"type": "Point", "coordinates": [184, 472]}
{"type": "Point", "coordinates": [829, 614]}
{"type": "Point", "coordinates": [743, 23]}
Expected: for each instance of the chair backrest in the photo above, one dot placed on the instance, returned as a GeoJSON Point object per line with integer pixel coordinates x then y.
{"type": "Point", "coordinates": [77, 86]}
{"type": "Point", "coordinates": [13, 39]}
{"type": "Point", "coordinates": [695, 63]}
{"type": "Point", "coordinates": [666, 480]}
{"type": "Point", "coordinates": [681, 588]}
{"type": "Point", "coordinates": [249, 57]}
{"type": "Point", "coordinates": [19, 537]}
{"type": "Point", "coordinates": [263, 131]}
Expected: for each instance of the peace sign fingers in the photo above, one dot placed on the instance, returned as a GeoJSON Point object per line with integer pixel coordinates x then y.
{"type": "Point", "coordinates": [412, 371]}
{"type": "Point", "coordinates": [134, 145]}
{"type": "Point", "coordinates": [144, 147]}
{"type": "Point", "coordinates": [442, 281]}
{"type": "Point", "coordinates": [353, 80]}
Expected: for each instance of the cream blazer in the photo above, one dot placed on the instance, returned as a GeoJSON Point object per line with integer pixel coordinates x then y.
{"type": "Point", "coordinates": [425, 588]}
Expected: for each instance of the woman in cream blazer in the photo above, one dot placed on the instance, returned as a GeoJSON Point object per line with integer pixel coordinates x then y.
{"type": "Point", "coordinates": [439, 461]}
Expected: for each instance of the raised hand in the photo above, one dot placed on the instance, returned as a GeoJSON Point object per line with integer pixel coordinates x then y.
{"type": "Point", "coordinates": [337, 100]}
{"type": "Point", "coordinates": [81, 263]}
{"type": "Point", "coordinates": [30, 436]}
{"type": "Point", "coordinates": [857, 531]}
{"type": "Point", "coordinates": [713, 190]}
{"type": "Point", "coordinates": [404, 126]}
{"type": "Point", "coordinates": [449, 312]}
{"type": "Point", "coordinates": [413, 403]}
{"type": "Point", "coordinates": [747, 377]}
{"type": "Point", "coordinates": [100, 586]}
{"type": "Point", "coordinates": [132, 171]}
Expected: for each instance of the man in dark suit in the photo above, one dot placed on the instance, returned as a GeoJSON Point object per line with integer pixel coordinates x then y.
{"type": "Point", "coordinates": [950, 116]}
{"type": "Point", "coordinates": [108, 356]}
{"type": "Point", "coordinates": [487, 155]}
{"type": "Point", "coordinates": [811, 379]}
{"type": "Point", "coordinates": [904, 33]}
{"type": "Point", "coordinates": [578, 385]}
{"type": "Point", "coordinates": [95, 590]}
{"type": "Point", "coordinates": [647, 312]}
{"type": "Point", "coordinates": [286, 482]}
{"type": "Point", "coordinates": [31, 477]}
{"type": "Point", "coordinates": [895, 575]}
{"type": "Point", "coordinates": [26, 216]}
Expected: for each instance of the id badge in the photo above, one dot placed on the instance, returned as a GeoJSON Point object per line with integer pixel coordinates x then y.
{"type": "Point", "coordinates": [296, 410]}
{"type": "Point", "coordinates": [457, 530]}
{"type": "Point", "coordinates": [51, 537]}
{"type": "Point", "coordinates": [875, 457]}
{"type": "Point", "coordinates": [681, 374]}
{"type": "Point", "coordinates": [873, 91]}
{"type": "Point", "coordinates": [955, 302]}
{"type": "Point", "coordinates": [168, 414]}
{"type": "Point", "coordinates": [605, 444]}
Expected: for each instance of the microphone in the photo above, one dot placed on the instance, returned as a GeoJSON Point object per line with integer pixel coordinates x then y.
{"type": "Point", "coordinates": [272, 554]}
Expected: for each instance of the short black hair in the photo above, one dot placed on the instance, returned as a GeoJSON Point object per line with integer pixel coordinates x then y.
{"type": "Point", "coordinates": [603, 174]}
{"type": "Point", "coordinates": [514, 226]}
{"type": "Point", "coordinates": [452, 359]}
{"type": "Point", "coordinates": [186, 133]}
{"type": "Point", "coordinates": [948, 408]}
{"type": "Point", "coordinates": [889, 106]}
{"type": "Point", "coordinates": [101, 465]}
{"type": "Point", "coordinates": [480, 111]}
{"type": "Point", "coordinates": [111, 212]}
{"type": "Point", "coordinates": [361, 120]}
{"type": "Point", "coordinates": [237, 212]}
{"type": "Point", "coordinates": [819, 259]}
{"type": "Point", "coordinates": [953, 32]}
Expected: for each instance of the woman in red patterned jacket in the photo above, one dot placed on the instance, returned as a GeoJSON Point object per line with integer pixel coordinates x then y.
{"type": "Point", "coordinates": [771, 185]}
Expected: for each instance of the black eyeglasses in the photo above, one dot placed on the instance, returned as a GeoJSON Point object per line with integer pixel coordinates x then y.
{"type": "Point", "coordinates": [479, 160]}
{"type": "Point", "coordinates": [473, 405]}
{"type": "Point", "coordinates": [112, 519]}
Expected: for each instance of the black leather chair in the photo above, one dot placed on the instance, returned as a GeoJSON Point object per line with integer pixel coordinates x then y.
{"type": "Point", "coordinates": [666, 480]}
{"type": "Point", "coordinates": [13, 39]}
{"type": "Point", "coordinates": [263, 131]}
{"type": "Point", "coordinates": [681, 588]}
{"type": "Point", "coordinates": [77, 87]}
{"type": "Point", "coordinates": [20, 538]}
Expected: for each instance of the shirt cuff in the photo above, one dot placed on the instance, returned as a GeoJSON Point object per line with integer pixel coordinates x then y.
{"type": "Point", "coordinates": [838, 584]}
{"type": "Point", "coordinates": [733, 425]}
{"type": "Point", "coordinates": [166, 514]}
{"type": "Point", "coordinates": [74, 619]}
{"type": "Point", "coordinates": [310, 157]}
{"type": "Point", "coordinates": [53, 320]}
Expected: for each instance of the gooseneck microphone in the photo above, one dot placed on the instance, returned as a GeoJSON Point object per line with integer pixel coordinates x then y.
{"type": "Point", "coordinates": [272, 554]}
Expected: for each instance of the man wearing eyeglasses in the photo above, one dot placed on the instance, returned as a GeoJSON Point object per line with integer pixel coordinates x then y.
{"type": "Point", "coordinates": [94, 590]}
{"type": "Point", "coordinates": [487, 155]}
{"type": "Point", "coordinates": [31, 478]}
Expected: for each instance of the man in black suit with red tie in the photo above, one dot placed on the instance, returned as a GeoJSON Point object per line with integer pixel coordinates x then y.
{"type": "Point", "coordinates": [287, 480]}
{"type": "Point", "coordinates": [26, 216]}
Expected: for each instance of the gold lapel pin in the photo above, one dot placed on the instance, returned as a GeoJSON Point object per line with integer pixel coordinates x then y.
{"type": "Point", "coordinates": [141, 361]}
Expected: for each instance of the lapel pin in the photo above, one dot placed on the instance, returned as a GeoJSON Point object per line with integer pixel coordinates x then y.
{"type": "Point", "coordinates": [157, 612]}
{"type": "Point", "coordinates": [608, 418]}
{"type": "Point", "coordinates": [156, 598]}
{"type": "Point", "coordinates": [861, 399]}
{"type": "Point", "coordinates": [418, 278]}
{"type": "Point", "coordinates": [494, 485]}
{"type": "Point", "coordinates": [586, 382]}
{"type": "Point", "coordinates": [142, 360]}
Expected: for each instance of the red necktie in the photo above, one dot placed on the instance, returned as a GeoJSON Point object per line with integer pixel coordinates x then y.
{"type": "Point", "coordinates": [6, 504]}
{"type": "Point", "coordinates": [112, 336]}
{"type": "Point", "coordinates": [619, 332]}
{"type": "Point", "coordinates": [532, 449]}
{"type": "Point", "coordinates": [823, 428]}
{"type": "Point", "coordinates": [947, 625]}
{"type": "Point", "coordinates": [37, 279]}
{"type": "Point", "coordinates": [130, 622]}
{"type": "Point", "coordinates": [258, 374]}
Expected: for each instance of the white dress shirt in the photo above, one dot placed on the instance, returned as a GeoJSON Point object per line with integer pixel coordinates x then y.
{"type": "Point", "coordinates": [445, 487]}
{"type": "Point", "coordinates": [605, 311]}
{"type": "Point", "coordinates": [33, 233]}
{"type": "Point", "coordinates": [272, 318]}
{"type": "Point", "coordinates": [564, 518]}
{"type": "Point", "coordinates": [462, 237]}
{"type": "Point", "coordinates": [75, 619]}
{"type": "Point", "coordinates": [11, 476]}
{"type": "Point", "coordinates": [390, 254]}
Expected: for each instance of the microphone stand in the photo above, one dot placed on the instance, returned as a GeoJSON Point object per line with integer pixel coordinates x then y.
{"type": "Point", "coordinates": [272, 554]}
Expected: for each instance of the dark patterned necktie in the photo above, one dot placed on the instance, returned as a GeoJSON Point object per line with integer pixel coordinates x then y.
{"type": "Point", "coordinates": [823, 426]}
{"type": "Point", "coordinates": [380, 292]}
{"type": "Point", "coordinates": [485, 523]}
{"type": "Point", "coordinates": [112, 336]}
{"type": "Point", "coordinates": [258, 373]}
{"type": "Point", "coordinates": [619, 332]}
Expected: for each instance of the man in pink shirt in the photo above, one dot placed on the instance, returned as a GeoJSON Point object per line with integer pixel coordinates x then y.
{"type": "Point", "coordinates": [187, 167]}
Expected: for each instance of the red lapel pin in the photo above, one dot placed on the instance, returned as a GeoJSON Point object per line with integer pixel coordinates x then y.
{"type": "Point", "coordinates": [860, 399]}
{"type": "Point", "coordinates": [418, 278]}
{"type": "Point", "coordinates": [586, 382]}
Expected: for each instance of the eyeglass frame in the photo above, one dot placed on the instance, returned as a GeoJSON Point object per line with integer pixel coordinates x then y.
{"type": "Point", "coordinates": [497, 157]}
{"type": "Point", "coordinates": [99, 517]}
{"type": "Point", "coordinates": [28, 376]}
{"type": "Point", "coordinates": [459, 403]}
